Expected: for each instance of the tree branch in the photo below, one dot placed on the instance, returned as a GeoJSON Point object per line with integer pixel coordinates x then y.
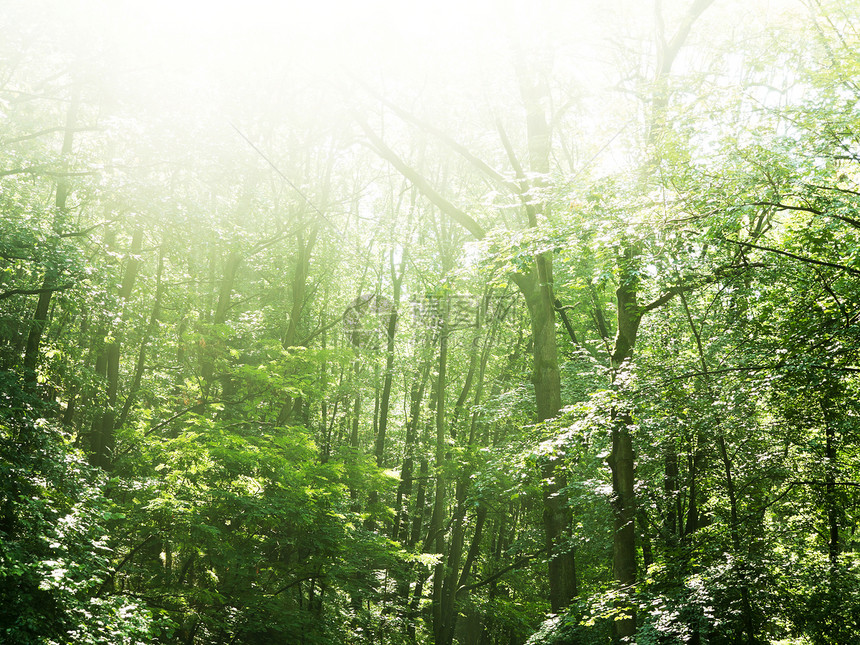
{"type": "Point", "coordinates": [671, 49]}
{"type": "Point", "coordinates": [808, 209]}
{"type": "Point", "coordinates": [794, 256]}
{"type": "Point", "coordinates": [122, 563]}
{"type": "Point", "coordinates": [836, 188]}
{"type": "Point", "coordinates": [41, 133]}
{"type": "Point", "coordinates": [420, 182]}
{"type": "Point", "coordinates": [666, 297]}
{"type": "Point", "coordinates": [460, 149]}
{"type": "Point", "coordinates": [294, 583]}
{"type": "Point", "coordinates": [787, 207]}
{"type": "Point", "coordinates": [355, 305]}
{"type": "Point", "coordinates": [498, 574]}
{"type": "Point", "coordinates": [32, 292]}
{"type": "Point", "coordinates": [812, 482]}
{"type": "Point", "coordinates": [85, 232]}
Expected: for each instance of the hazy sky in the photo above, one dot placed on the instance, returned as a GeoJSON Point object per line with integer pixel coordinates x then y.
{"type": "Point", "coordinates": [192, 65]}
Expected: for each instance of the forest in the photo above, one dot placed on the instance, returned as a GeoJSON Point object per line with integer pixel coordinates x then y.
{"type": "Point", "coordinates": [486, 322]}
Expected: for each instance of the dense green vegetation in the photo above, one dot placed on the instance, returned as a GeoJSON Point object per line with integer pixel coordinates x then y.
{"type": "Point", "coordinates": [417, 350]}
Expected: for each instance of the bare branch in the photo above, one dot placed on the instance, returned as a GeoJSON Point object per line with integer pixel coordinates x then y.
{"type": "Point", "coordinates": [41, 133]}
{"type": "Point", "coordinates": [420, 182]}
{"type": "Point", "coordinates": [671, 49]}
{"type": "Point", "coordinates": [460, 149]}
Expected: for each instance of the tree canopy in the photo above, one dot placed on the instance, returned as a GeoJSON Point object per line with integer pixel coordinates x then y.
{"type": "Point", "coordinates": [480, 323]}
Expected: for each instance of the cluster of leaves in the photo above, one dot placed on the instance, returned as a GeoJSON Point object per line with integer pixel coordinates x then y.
{"type": "Point", "coordinates": [56, 547]}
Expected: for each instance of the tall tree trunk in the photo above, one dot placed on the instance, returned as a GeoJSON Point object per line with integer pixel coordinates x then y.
{"type": "Point", "coordinates": [354, 428]}
{"type": "Point", "coordinates": [40, 315]}
{"type": "Point", "coordinates": [151, 328]}
{"type": "Point", "coordinates": [448, 594]}
{"type": "Point", "coordinates": [104, 439]}
{"type": "Point", "coordinates": [671, 487]}
{"type": "Point", "coordinates": [538, 292]}
{"type": "Point", "coordinates": [304, 250]}
{"type": "Point", "coordinates": [536, 286]}
{"type": "Point", "coordinates": [454, 579]}
{"type": "Point", "coordinates": [222, 308]}
{"type": "Point", "coordinates": [437, 532]}
{"type": "Point", "coordinates": [831, 467]}
{"type": "Point", "coordinates": [629, 313]}
{"type": "Point", "coordinates": [731, 490]}
{"type": "Point", "coordinates": [695, 465]}
{"type": "Point", "coordinates": [404, 489]}
{"type": "Point", "coordinates": [385, 397]}
{"type": "Point", "coordinates": [622, 458]}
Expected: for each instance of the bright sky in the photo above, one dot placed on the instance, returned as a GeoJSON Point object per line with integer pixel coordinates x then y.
{"type": "Point", "coordinates": [229, 58]}
{"type": "Point", "coordinates": [186, 59]}
{"type": "Point", "coordinates": [398, 38]}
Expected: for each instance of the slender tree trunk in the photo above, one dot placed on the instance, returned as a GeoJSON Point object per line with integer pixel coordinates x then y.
{"type": "Point", "coordinates": [324, 432]}
{"type": "Point", "coordinates": [629, 314]}
{"type": "Point", "coordinates": [448, 596]}
{"type": "Point", "coordinates": [304, 249]}
{"type": "Point", "coordinates": [671, 486]}
{"type": "Point", "coordinates": [831, 468]}
{"type": "Point", "coordinates": [104, 439]}
{"type": "Point", "coordinates": [734, 520]}
{"type": "Point", "coordinates": [151, 328]}
{"type": "Point", "coordinates": [695, 465]}
{"type": "Point", "coordinates": [222, 308]}
{"type": "Point", "coordinates": [89, 399]}
{"type": "Point", "coordinates": [536, 286]}
{"type": "Point", "coordinates": [453, 577]}
{"type": "Point", "coordinates": [546, 376]}
{"type": "Point", "coordinates": [385, 397]}
{"type": "Point", "coordinates": [734, 530]}
{"type": "Point", "coordinates": [475, 547]}
{"type": "Point", "coordinates": [622, 463]}
{"type": "Point", "coordinates": [622, 458]}
{"type": "Point", "coordinates": [355, 426]}
{"type": "Point", "coordinates": [547, 385]}
{"type": "Point", "coordinates": [404, 489]}
{"type": "Point", "coordinates": [75, 394]}
{"type": "Point", "coordinates": [40, 315]}
{"type": "Point", "coordinates": [437, 532]}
